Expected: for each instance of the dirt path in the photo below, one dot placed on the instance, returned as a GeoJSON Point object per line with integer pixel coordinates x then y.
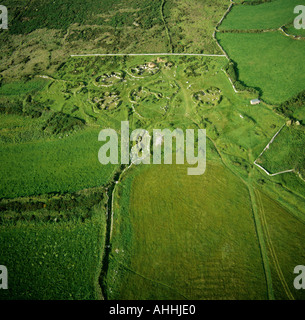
{"type": "Point", "coordinates": [271, 247]}
{"type": "Point", "coordinates": [261, 241]}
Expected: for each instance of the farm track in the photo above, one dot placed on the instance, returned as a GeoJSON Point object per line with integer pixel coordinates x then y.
{"type": "Point", "coordinates": [271, 247]}
{"type": "Point", "coordinates": [262, 244]}
{"type": "Point", "coordinates": [258, 228]}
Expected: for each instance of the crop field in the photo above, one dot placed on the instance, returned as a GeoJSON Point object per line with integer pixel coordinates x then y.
{"type": "Point", "coordinates": [285, 251]}
{"type": "Point", "coordinates": [196, 242]}
{"type": "Point", "coordinates": [199, 252]}
{"type": "Point", "coordinates": [72, 228]}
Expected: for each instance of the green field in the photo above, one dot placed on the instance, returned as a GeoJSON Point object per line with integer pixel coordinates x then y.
{"type": "Point", "coordinates": [53, 252]}
{"type": "Point", "coordinates": [269, 15]}
{"type": "Point", "coordinates": [198, 252]}
{"type": "Point", "coordinates": [267, 61]}
{"type": "Point", "coordinates": [42, 154]}
{"type": "Point", "coordinates": [286, 152]}
{"type": "Point", "coordinates": [284, 234]}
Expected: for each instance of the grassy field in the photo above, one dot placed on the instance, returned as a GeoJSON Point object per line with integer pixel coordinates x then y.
{"type": "Point", "coordinates": [269, 15]}
{"type": "Point", "coordinates": [268, 61]}
{"type": "Point", "coordinates": [53, 252]}
{"type": "Point", "coordinates": [265, 58]}
{"type": "Point", "coordinates": [284, 235]}
{"type": "Point", "coordinates": [61, 165]}
{"type": "Point", "coordinates": [193, 248]}
{"type": "Point", "coordinates": [19, 88]}
{"type": "Point", "coordinates": [286, 152]}
{"type": "Point", "coordinates": [43, 35]}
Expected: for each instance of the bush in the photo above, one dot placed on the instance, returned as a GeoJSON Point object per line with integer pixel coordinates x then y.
{"type": "Point", "coordinates": [232, 71]}
{"type": "Point", "coordinates": [60, 122]}
{"type": "Point", "coordinates": [288, 107]}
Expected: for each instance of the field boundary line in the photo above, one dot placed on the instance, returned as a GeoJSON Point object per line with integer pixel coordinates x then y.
{"type": "Point", "coordinates": [261, 242]}
{"type": "Point", "coordinates": [292, 36]}
{"type": "Point", "coordinates": [265, 149]}
{"type": "Point", "coordinates": [112, 199]}
{"type": "Point", "coordinates": [217, 30]}
{"type": "Point", "coordinates": [234, 88]}
{"type": "Point", "coordinates": [146, 54]}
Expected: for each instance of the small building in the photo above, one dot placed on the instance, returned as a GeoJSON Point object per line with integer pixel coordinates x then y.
{"type": "Point", "coordinates": [255, 101]}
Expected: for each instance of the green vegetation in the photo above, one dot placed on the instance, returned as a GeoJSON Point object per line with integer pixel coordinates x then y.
{"type": "Point", "coordinates": [43, 34]}
{"type": "Point", "coordinates": [269, 15]}
{"type": "Point", "coordinates": [191, 24]}
{"type": "Point", "coordinates": [193, 246]}
{"type": "Point", "coordinates": [286, 152]}
{"type": "Point", "coordinates": [284, 236]}
{"type": "Point", "coordinates": [61, 14]}
{"type": "Point", "coordinates": [268, 61]}
{"type": "Point", "coordinates": [264, 58]}
{"type": "Point", "coordinates": [52, 165]}
{"type": "Point", "coordinates": [294, 108]}
{"type": "Point", "coordinates": [71, 228]}
{"type": "Point", "coordinates": [53, 246]}
{"type": "Point", "coordinates": [18, 88]}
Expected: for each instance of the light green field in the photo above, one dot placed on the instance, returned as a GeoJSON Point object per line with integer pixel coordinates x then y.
{"type": "Point", "coordinates": [19, 87]}
{"type": "Point", "coordinates": [268, 61]}
{"type": "Point", "coordinates": [286, 152]}
{"type": "Point", "coordinates": [270, 15]}
{"type": "Point", "coordinates": [184, 238]}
